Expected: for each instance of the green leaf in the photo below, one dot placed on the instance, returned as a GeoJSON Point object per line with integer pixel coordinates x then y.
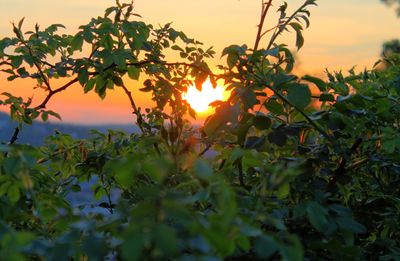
{"type": "Point", "coordinates": [299, 95]}
{"type": "Point", "coordinates": [230, 49]}
{"type": "Point", "coordinates": [350, 224]}
{"type": "Point", "coordinates": [132, 246]}
{"type": "Point", "coordinates": [89, 85]}
{"type": "Point", "coordinates": [248, 97]}
{"type": "Point", "coordinates": [317, 81]}
{"type": "Point", "coordinates": [340, 210]}
{"type": "Point", "coordinates": [243, 242]}
{"type": "Point", "coordinates": [317, 215]}
{"type": "Point", "coordinates": [77, 42]}
{"type": "Point", "coordinates": [11, 78]}
{"type": "Point", "coordinates": [95, 247]}
{"type": "Point", "coordinates": [177, 48]}
{"type": "Point", "coordinates": [54, 114]}
{"type": "Point", "coordinates": [157, 169]}
{"type": "Point", "coordinates": [45, 116]}
{"type": "Point", "coordinates": [233, 52]}
{"type": "Point", "coordinates": [165, 239]}
{"type": "Point", "coordinates": [183, 55]}
{"type": "Point", "coordinates": [16, 61]}
{"type": "Point", "coordinates": [107, 42]}
{"type": "Point", "coordinates": [22, 72]}
{"type": "Point", "coordinates": [83, 76]}
{"type": "Point", "coordinates": [273, 106]}
{"type": "Point", "coordinates": [326, 97]}
{"type": "Point", "coordinates": [148, 86]}
{"type": "Point", "coordinates": [292, 251]}
{"type": "Point", "coordinates": [280, 80]}
{"type": "Point", "coordinates": [117, 81]}
{"type": "Point", "coordinates": [300, 210]}
{"type": "Point", "coordinates": [232, 60]}
{"type": "Point", "coordinates": [101, 85]}
{"type": "Point", "coordinates": [336, 122]}
{"type": "Point", "coordinates": [20, 23]}
{"type": "Point", "coordinates": [13, 193]}
{"type": "Point", "coordinates": [76, 188]}
{"type": "Point", "coordinates": [110, 10]}
{"type": "Point", "coordinates": [119, 59]}
{"type": "Point", "coordinates": [202, 169]}
{"type": "Point", "coordinates": [265, 247]}
{"type": "Point", "coordinates": [126, 170]}
{"type": "Point", "coordinates": [133, 72]}
{"type": "Point", "coordinates": [341, 88]}
{"type": "Point", "coordinates": [299, 36]}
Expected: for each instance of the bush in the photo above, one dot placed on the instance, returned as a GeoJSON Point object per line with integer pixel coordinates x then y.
{"type": "Point", "coordinates": [305, 168]}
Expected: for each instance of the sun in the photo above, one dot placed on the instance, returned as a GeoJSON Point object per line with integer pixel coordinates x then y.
{"type": "Point", "coordinates": [200, 100]}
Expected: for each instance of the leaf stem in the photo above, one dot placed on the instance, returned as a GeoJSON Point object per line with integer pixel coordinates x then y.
{"type": "Point", "coordinates": [279, 29]}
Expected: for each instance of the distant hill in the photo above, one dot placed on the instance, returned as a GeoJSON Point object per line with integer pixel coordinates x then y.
{"type": "Point", "coordinates": [38, 131]}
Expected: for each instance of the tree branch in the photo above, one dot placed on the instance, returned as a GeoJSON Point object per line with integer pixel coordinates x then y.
{"type": "Point", "coordinates": [140, 120]}
{"type": "Point", "coordinates": [315, 125]}
{"type": "Point", "coordinates": [38, 67]}
{"type": "Point", "coordinates": [13, 139]}
{"type": "Point", "coordinates": [264, 11]}
{"type": "Point", "coordinates": [139, 117]}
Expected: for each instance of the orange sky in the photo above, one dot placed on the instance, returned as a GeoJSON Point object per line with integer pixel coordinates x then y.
{"type": "Point", "coordinates": [343, 33]}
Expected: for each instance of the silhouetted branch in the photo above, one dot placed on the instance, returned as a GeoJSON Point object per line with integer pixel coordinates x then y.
{"type": "Point", "coordinates": [264, 12]}
{"type": "Point", "coordinates": [13, 139]}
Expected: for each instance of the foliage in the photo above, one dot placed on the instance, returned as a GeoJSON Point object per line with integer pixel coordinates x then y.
{"type": "Point", "coordinates": [304, 167]}
{"type": "Point", "coordinates": [393, 2]}
{"type": "Point", "coordinates": [391, 49]}
{"type": "Point", "coordinates": [390, 53]}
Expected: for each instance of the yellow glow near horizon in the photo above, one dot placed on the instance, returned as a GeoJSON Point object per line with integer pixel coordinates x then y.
{"type": "Point", "coordinates": [200, 100]}
{"type": "Point", "coordinates": [362, 29]}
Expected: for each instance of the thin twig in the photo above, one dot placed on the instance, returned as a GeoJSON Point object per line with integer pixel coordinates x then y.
{"type": "Point", "coordinates": [51, 93]}
{"type": "Point", "coordinates": [38, 67]}
{"type": "Point", "coordinates": [57, 153]}
{"type": "Point", "coordinates": [14, 136]}
{"type": "Point", "coordinates": [108, 193]}
{"type": "Point", "coordinates": [270, 29]}
{"type": "Point", "coordinates": [13, 139]}
{"type": "Point", "coordinates": [264, 11]}
{"type": "Point", "coordinates": [207, 148]}
{"type": "Point", "coordinates": [241, 175]}
{"type": "Point", "coordinates": [315, 125]}
{"type": "Point", "coordinates": [139, 117]}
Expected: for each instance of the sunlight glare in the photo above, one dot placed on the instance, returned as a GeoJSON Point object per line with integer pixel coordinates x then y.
{"type": "Point", "coordinates": [200, 100]}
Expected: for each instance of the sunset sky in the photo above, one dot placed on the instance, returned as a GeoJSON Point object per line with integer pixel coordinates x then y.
{"type": "Point", "coordinates": [343, 33]}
